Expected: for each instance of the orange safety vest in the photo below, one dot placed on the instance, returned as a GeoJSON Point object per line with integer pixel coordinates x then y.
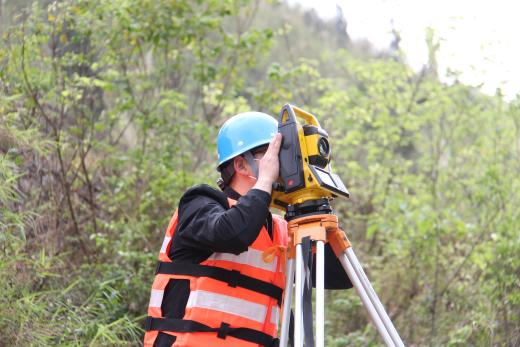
{"type": "Point", "coordinates": [234, 299]}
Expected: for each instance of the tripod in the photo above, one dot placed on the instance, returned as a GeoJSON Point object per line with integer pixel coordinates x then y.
{"type": "Point", "coordinates": [314, 222]}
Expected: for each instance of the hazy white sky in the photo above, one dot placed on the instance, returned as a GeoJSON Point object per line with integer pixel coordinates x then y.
{"type": "Point", "coordinates": [480, 39]}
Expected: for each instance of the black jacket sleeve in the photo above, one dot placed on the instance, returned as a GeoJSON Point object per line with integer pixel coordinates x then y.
{"type": "Point", "coordinates": [207, 223]}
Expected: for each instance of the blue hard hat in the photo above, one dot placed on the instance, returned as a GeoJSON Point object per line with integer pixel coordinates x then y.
{"type": "Point", "coordinates": [243, 132]}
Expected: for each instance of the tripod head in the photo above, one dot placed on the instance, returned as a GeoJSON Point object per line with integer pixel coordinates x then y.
{"type": "Point", "coordinates": [308, 208]}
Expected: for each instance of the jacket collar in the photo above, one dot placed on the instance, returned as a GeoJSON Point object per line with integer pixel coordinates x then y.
{"type": "Point", "coordinates": [231, 193]}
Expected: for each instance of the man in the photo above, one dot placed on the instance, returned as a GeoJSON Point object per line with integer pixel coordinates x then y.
{"type": "Point", "coordinates": [220, 278]}
{"type": "Point", "coordinates": [221, 273]}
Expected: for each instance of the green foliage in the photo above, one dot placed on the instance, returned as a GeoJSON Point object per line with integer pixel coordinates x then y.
{"type": "Point", "coordinates": [109, 111]}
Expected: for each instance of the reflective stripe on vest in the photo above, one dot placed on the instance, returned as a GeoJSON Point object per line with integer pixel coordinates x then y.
{"type": "Point", "coordinates": [275, 315]}
{"type": "Point", "coordinates": [156, 298]}
{"type": "Point", "coordinates": [251, 257]}
{"type": "Point", "coordinates": [213, 302]}
{"type": "Point", "coordinates": [228, 304]}
{"type": "Point", "coordinates": [165, 244]}
{"type": "Point", "coordinates": [165, 247]}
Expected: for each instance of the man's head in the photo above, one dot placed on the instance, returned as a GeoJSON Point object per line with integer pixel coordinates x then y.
{"type": "Point", "coordinates": [241, 142]}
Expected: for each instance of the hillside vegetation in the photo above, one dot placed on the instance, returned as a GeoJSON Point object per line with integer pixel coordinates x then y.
{"type": "Point", "coordinates": [109, 110]}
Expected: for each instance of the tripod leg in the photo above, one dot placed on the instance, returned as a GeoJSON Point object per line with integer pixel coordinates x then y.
{"type": "Point", "coordinates": [286, 318]}
{"type": "Point", "coordinates": [320, 294]}
{"type": "Point", "coordinates": [298, 298]}
{"type": "Point", "coordinates": [349, 253]}
{"type": "Point", "coordinates": [356, 282]}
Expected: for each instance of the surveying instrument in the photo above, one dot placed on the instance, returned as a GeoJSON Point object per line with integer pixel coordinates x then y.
{"type": "Point", "coordinates": [304, 190]}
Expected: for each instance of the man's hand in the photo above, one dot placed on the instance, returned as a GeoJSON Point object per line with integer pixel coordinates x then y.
{"type": "Point", "coordinates": [269, 166]}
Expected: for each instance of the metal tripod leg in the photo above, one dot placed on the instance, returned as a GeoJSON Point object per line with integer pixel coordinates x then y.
{"type": "Point", "coordinates": [370, 299]}
{"type": "Point", "coordinates": [286, 315]}
{"type": "Point", "coordinates": [320, 293]}
{"type": "Point", "coordinates": [294, 269]}
{"type": "Point", "coordinates": [320, 298]}
{"type": "Point", "coordinates": [298, 298]}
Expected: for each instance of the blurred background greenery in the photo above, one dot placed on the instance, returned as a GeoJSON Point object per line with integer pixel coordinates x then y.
{"type": "Point", "coordinates": [109, 110]}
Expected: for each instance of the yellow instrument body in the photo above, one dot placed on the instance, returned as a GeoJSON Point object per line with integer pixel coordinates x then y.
{"type": "Point", "coordinates": [314, 179]}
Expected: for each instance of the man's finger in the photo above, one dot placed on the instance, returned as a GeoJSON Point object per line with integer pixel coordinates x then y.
{"type": "Point", "coordinates": [275, 143]}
